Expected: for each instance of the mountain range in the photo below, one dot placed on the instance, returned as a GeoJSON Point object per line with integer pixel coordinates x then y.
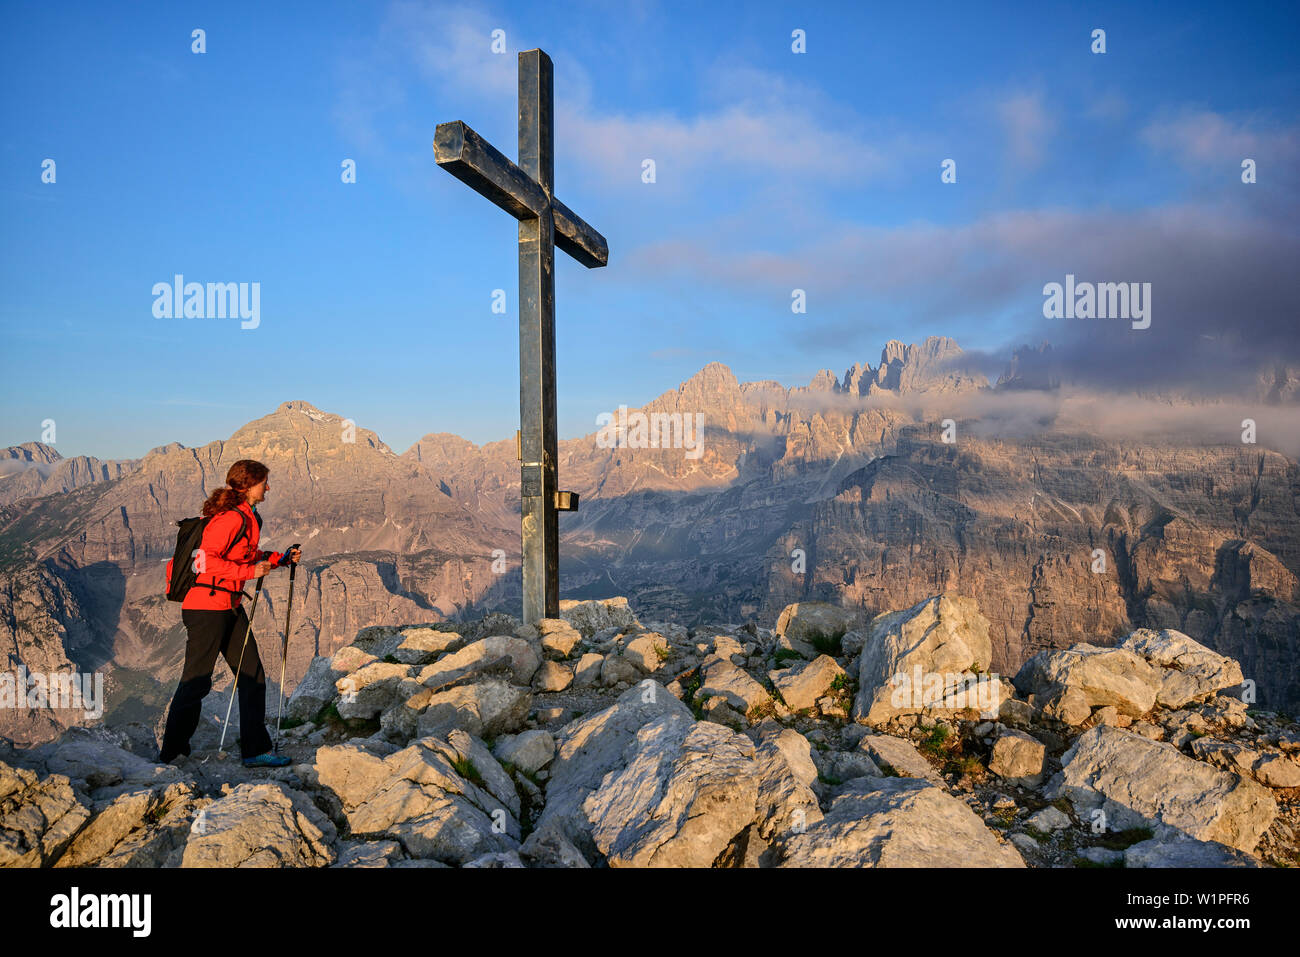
{"type": "Point", "coordinates": [874, 490]}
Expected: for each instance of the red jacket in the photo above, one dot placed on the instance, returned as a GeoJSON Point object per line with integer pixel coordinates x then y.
{"type": "Point", "coordinates": [226, 570]}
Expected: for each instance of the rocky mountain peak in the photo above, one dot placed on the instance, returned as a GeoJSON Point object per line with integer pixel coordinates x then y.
{"type": "Point", "coordinates": [38, 453]}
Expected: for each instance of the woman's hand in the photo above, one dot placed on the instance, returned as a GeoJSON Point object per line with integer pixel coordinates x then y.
{"type": "Point", "coordinates": [291, 556]}
{"type": "Point", "coordinates": [261, 568]}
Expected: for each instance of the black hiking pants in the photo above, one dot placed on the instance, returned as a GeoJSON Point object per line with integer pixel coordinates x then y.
{"type": "Point", "coordinates": [212, 633]}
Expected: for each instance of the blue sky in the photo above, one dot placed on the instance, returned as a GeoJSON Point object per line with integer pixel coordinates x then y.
{"type": "Point", "coordinates": [775, 171]}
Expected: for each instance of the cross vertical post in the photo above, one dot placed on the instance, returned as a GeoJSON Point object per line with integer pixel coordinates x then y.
{"type": "Point", "coordinates": [527, 192]}
{"type": "Point", "coordinates": [540, 520]}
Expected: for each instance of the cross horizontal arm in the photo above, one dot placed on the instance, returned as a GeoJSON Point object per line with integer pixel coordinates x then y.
{"type": "Point", "coordinates": [578, 239]}
{"type": "Point", "coordinates": [477, 163]}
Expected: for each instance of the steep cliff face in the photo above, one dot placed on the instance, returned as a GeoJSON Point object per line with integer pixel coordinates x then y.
{"type": "Point", "coordinates": [839, 490]}
{"type": "Point", "coordinates": [1065, 539]}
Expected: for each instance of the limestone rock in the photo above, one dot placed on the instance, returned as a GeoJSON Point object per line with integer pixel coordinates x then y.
{"type": "Point", "coordinates": [485, 709]}
{"type": "Point", "coordinates": [588, 670]}
{"type": "Point", "coordinates": [558, 637]}
{"type": "Point", "coordinates": [591, 747]}
{"type": "Point", "coordinates": [136, 829]}
{"type": "Point", "coordinates": [1018, 759]}
{"type": "Point", "coordinates": [552, 676]}
{"type": "Point", "coordinates": [1277, 771]}
{"type": "Point", "coordinates": [1186, 853]}
{"type": "Point", "coordinates": [529, 751]}
{"type": "Point", "coordinates": [802, 684]}
{"type": "Point", "coordinates": [590, 617]}
{"type": "Point", "coordinates": [260, 825]}
{"type": "Point", "coordinates": [370, 689]}
{"type": "Point", "coordinates": [524, 657]}
{"type": "Point", "coordinates": [786, 772]}
{"type": "Point", "coordinates": [685, 791]}
{"type": "Point", "coordinates": [616, 668]}
{"type": "Point", "coordinates": [886, 750]}
{"type": "Point", "coordinates": [421, 646]}
{"type": "Point", "coordinates": [314, 691]}
{"type": "Point", "coordinates": [647, 651]}
{"type": "Point", "coordinates": [1141, 783]}
{"type": "Point", "coordinates": [815, 621]}
{"type": "Point", "coordinates": [1188, 670]}
{"type": "Point", "coordinates": [549, 847]}
{"type": "Point", "coordinates": [915, 660]}
{"type": "Point", "coordinates": [897, 822]}
{"type": "Point", "coordinates": [418, 797]}
{"type": "Point", "coordinates": [741, 691]}
{"type": "Point", "coordinates": [38, 817]}
{"type": "Point", "coordinates": [1096, 676]}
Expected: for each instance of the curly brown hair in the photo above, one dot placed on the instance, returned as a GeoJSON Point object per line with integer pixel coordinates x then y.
{"type": "Point", "coordinates": [242, 476]}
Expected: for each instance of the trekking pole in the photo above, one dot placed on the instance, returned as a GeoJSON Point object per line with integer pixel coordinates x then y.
{"type": "Point", "coordinates": [257, 593]}
{"type": "Point", "coordinates": [284, 645]}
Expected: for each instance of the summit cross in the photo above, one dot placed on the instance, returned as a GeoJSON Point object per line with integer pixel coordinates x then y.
{"type": "Point", "coordinates": [527, 192]}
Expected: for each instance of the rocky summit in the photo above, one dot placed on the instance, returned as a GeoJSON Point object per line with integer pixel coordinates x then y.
{"type": "Point", "coordinates": [599, 740]}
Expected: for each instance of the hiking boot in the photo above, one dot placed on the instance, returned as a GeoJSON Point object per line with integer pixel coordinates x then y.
{"type": "Point", "coordinates": [267, 760]}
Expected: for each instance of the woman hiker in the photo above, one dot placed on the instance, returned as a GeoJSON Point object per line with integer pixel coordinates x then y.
{"type": "Point", "coordinates": [216, 622]}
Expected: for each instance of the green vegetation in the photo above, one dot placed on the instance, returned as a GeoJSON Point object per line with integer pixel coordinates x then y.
{"type": "Point", "coordinates": [1119, 840]}
{"type": "Point", "coordinates": [465, 768]}
{"type": "Point", "coordinates": [827, 642]}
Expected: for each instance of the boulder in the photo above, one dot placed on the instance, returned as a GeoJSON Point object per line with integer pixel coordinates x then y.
{"type": "Point", "coordinates": [616, 668]}
{"type": "Point", "coordinates": [897, 822]}
{"type": "Point", "coordinates": [314, 691]}
{"type": "Point", "coordinates": [266, 824]}
{"type": "Point", "coordinates": [685, 791]}
{"type": "Point", "coordinates": [558, 637]}
{"type": "Point", "coordinates": [524, 657]}
{"type": "Point", "coordinates": [815, 622]}
{"type": "Point", "coordinates": [552, 676]}
{"type": "Point", "coordinates": [549, 847]}
{"type": "Point", "coordinates": [1188, 670]}
{"type": "Point", "coordinates": [890, 752]}
{"type": "Point", "coordinates": [1186, 853]}
{"type": "Point", "coordinates": [529, 751]}
{"type": "Point", "coordinates": [588, 670]}
{"type": "Point", "coordinates": [370, 689]}
{"type": "Point", "coordinates": [485, 709]}
{"type": "Point", "coordinates": [39, 816]}
{"type": "Point", "coordinates": [422, 646]}
{"type": "Point", "coordinates": [924, 660]}
{"type": "Point", "coordinates": [786, 800]}
{"type": "Point", "coordinates": [647, 651]}
{"type": "Point", "coordinates": [802, 684]}
{"type": "Point", "coordinates": [142, 828]}
{"type": "Point", "coordinates": [368, 854]}
{"type": "Point", "coordinates": [742, 692]}
{"type": "Point", "coordinates": [1094, 676]}
{"type": "Point", "coordinates": [1137, 782]}
{"type": "Point", "coordinates": [590, 748]}
{"type": "Point", "coordinates": [419, 797]}
{"type": "Point", "coordinates": [1018, 758]}
{"type": "Point", "coordinates": [1277, 771]}
{"type": "Point", "coordinates": [590, 617]}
